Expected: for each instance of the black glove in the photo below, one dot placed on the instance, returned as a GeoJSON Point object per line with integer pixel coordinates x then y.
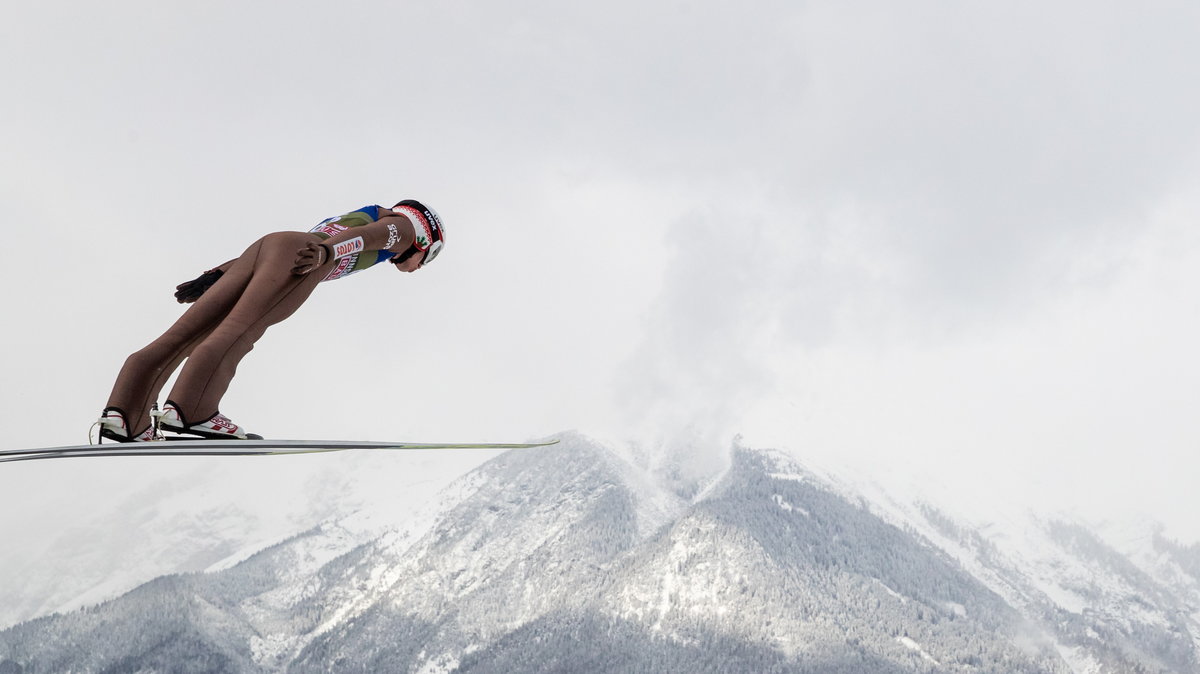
{"type": "Point", "coordinates": [190, 291]}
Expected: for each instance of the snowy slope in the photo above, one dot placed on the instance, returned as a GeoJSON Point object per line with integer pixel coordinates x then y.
{"type": "Point", "coordinates": [1100, 592]}
{"type": "Point", "coordinates": [103, 535]}
{"type": "Point", "coordinates": [573, 558]}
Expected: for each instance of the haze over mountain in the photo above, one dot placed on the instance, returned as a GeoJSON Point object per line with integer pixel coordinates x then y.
{"type": "Point", "coordinates": [580, 558]}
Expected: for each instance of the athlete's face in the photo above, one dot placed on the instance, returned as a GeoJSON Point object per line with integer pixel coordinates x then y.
{"type": "Point", "coordinates": [411, 264]}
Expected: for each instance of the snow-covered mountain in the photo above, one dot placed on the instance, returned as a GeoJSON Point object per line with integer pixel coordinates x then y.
{"type": "Point", "coordinates": [102, 527]}
{"type": "Point", "coordinates": [571, 559]}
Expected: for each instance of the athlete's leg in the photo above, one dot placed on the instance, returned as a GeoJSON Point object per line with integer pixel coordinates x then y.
{"type": "Point", "coordinates": [147, 370]}
{"type": "Point", "coordinates": [272, 294]}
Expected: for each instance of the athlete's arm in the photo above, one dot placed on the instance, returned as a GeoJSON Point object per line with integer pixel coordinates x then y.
{"type": "Point", "coordinates": [394, 233]}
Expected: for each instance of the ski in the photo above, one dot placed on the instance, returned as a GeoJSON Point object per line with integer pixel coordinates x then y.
{"type": "Point", "coordinates": [202, 447]}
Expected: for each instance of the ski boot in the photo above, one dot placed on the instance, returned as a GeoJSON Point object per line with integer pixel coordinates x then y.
{"type": "Point", "coordinates": [113, 427]}
{"type": "Point", "coordinates": [216, 427]}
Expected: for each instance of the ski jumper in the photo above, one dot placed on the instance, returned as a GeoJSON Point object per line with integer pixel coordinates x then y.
{"type": "Point", "coordinates": [256, 291]}
{"type": "Point", "coordinates": [354, 262]}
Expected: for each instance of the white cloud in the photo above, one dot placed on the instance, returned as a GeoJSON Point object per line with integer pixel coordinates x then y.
{"type": "Point", "coordinates": [897, 225]}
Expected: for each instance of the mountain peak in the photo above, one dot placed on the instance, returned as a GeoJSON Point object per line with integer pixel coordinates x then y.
{"type": "Point", "coordinates": [575, 557]}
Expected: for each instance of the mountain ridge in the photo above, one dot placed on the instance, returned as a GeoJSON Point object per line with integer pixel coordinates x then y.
{"type": "Point", "coordinates": [539, 558]}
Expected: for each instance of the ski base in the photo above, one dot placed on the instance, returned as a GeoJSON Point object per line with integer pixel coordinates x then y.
{"type": "Point", "coordinates": [204, 447]}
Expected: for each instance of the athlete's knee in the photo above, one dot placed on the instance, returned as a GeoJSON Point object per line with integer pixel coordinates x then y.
{"type": "Point", "coordinates": [222, 345]}
{"type": "Point", "coordinates": [150, 359]}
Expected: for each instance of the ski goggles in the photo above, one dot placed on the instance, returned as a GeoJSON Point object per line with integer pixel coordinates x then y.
{"type": "Point", "coordinates": [431, 252]}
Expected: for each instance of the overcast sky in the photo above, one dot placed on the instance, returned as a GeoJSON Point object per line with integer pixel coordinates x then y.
{"type": "Point", "coordinates": [952, 238]}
